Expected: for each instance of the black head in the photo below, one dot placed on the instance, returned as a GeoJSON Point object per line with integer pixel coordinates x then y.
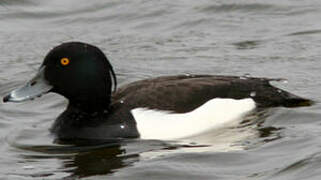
{"type": "Point", "coordinates": [78, 71]}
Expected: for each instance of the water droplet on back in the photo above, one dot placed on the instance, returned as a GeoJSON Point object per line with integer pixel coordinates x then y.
{"type": "Point", "coordinates": [245, 76]}
{"type": "Point", "coordinates": [253, 94]}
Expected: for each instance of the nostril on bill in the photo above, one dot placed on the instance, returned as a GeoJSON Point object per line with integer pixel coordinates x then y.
{"type": "Point", "coordinates": [33, 83]}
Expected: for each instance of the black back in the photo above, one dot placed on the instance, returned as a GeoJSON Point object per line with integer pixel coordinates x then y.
{"type": "Point", "coordinates": [184, 93]}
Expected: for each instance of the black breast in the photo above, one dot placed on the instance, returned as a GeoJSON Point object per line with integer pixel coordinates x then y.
{"type": "Point", "coordinates": [117, 122]}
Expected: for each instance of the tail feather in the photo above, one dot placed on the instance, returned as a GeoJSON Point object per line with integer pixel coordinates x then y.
{"type": "Point", "coordinates": [292, 100]}
{"type": "Point", "coordinates": [289, 99]}
{"type": "Point", "coordinates": [278, 97]}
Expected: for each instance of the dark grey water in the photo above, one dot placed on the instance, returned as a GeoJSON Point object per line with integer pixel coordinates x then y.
{"type": "Point", "coordinates": [276, 38]}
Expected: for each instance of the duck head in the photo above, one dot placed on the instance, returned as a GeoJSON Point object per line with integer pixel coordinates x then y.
{"type": "Point", "coordinates": [78, 71]}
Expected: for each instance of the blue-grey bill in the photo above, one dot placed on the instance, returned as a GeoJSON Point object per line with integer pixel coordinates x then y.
{"type": "Point", "coordinates": [36, 87]}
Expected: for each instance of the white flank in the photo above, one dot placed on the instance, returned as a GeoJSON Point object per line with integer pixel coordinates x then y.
{"type": "Point", "coordinates": [155, 124]}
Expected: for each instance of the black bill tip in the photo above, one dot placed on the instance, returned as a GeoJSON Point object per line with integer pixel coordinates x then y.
{"type": "Point", "coordinates": [7, 98]}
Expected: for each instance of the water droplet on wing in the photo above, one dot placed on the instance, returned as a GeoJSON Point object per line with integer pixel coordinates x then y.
{"type": "Point", "coordinates": [253, 94]}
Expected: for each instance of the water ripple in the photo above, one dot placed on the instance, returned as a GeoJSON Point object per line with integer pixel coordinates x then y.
{"type": "Point", "coordinates": [225, 8]}
{"type": "Point", "coordinates": [307, 32]}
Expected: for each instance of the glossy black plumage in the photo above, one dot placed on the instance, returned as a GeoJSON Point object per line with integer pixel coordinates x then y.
{"type": "Point", "coordinates": [184, 93]}
{"type": "Point", "coordinates": [96, 112]}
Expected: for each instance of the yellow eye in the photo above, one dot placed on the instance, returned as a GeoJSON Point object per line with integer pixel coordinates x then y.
{"type": "Point", "coordinates": [64, 61]}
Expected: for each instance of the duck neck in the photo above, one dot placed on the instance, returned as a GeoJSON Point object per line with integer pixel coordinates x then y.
{"type": "Point", "coordinates": [91, 106]}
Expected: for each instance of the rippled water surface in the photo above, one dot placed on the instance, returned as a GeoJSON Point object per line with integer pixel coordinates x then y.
{"type": "Point", "coordinates": [275, 38]}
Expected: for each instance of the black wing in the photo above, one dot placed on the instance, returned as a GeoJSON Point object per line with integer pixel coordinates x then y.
{"type": "Point", "coordinates": [186, 92]}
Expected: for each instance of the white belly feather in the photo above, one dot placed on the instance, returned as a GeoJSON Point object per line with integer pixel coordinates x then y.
{"type": "Point", "coordinates": [165, 125]}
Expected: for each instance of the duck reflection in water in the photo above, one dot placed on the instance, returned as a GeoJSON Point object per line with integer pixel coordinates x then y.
{"type": "Point", "coordinates": [87, 158]}
{"type": "Point", "coordinates": [99, 162]}
{"type": "Point", "coordinates": [81, 159]}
